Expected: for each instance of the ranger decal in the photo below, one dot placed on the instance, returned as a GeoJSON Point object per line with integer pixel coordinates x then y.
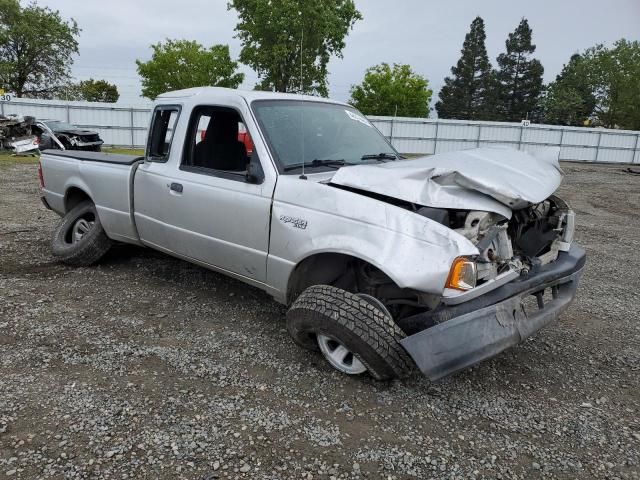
{"type": "Point", "coordinates": [296, 222]}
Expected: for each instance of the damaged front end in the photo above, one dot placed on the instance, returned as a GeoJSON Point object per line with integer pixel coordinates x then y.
{"type": "Point", "coordinates": [508, 248]}
{"type": "Point", "coordinates": [526, 273]}
{"type": "Point", "coordinates": [526, 268]}
{"type": "Point", "coordinates": [61, 135]}
{"type": "Point", "coordinates": [16, 134]}
{"type": "Point", "coordinates": [88, 141]}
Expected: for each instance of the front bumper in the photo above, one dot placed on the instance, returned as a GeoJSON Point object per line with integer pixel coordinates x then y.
{"type": "Point", "coordinates": [451, 338]}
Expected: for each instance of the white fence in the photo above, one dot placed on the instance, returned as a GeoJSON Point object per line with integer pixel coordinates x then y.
{"type": "Point", "coordinates": [417, 135]}
{"type": "Point", "coordinates": [126, 125]}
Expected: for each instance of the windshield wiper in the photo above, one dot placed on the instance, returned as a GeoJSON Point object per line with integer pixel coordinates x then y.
{"type": "Point", "coordinates": [327, 162]}
{"type": "Point", "coordinates": [380, 156]}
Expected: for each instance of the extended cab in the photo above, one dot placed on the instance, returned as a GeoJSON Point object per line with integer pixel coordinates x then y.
{"type": "Point", "coordinates": [441, 261]}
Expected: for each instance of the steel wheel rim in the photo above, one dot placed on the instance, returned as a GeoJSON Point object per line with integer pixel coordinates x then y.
{"type": "Point", "coordinates": [80, 229]}
{"type": "Point", "coordinates": [339, 356]}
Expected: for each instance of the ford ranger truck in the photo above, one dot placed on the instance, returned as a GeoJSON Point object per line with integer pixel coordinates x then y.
{"type": "Point", "coordinates": [385, 264]}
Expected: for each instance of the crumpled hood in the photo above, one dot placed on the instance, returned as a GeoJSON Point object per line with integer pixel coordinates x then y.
{"type": "Point", "coordinates": [77, 132]}
{"type": "Point", "coordinates": [488, 179]}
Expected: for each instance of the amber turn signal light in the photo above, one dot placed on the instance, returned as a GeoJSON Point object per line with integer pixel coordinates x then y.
{"type": "Point", "coordinates": [462, 275]}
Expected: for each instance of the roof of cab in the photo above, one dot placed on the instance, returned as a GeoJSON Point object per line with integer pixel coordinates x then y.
{"type": "Point", "coordinates": [249, 95]}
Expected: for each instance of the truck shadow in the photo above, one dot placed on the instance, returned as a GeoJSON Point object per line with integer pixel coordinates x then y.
{"type": "Point", "coordinates": [264, 317]}
{"type": "Point", "coordinates": [159, 268]}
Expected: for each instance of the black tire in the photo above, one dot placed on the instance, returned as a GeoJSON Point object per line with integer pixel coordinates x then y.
{"type": "Point", "coordinates": [370, 334]}
{"type": "Point", "coordinates": [88, 249]}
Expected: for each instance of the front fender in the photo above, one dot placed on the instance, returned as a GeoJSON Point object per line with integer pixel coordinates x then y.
{"type": "Point", "coordinates": [310, 218]}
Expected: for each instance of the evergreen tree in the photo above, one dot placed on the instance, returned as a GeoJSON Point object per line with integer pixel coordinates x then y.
{"type": "Point", "coordinates": [466, 94]}
{"type": "Point", "coordinates": [519, 76]}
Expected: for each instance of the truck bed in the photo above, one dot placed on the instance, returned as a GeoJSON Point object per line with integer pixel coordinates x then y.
{"type": "Point", "coordinates": [115, 158]}
{"type": "Point", "coordinates": [105, 178]}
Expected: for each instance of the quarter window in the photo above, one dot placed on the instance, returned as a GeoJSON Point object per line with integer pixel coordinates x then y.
{"type": "Point", "coordinates": [161, 134]}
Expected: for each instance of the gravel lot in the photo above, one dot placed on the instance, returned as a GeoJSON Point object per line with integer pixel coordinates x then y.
{"type": "Point", "coordinates": [149, 367]}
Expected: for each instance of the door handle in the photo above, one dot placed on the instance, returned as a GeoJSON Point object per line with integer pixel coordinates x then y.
{"type": "Point", "coordinates": [176, 187]}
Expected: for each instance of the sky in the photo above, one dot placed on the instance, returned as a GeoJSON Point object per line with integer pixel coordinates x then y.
{"type": "Point", "coordinates": [426, 34]}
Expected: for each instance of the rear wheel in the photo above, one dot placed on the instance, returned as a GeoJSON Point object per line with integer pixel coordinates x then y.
{"type": "Point", "coordinates": [353, 333]}
{"type": "Point", "coordinates": [79, 239]}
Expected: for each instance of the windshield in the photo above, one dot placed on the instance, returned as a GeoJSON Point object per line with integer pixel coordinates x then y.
{"type": "Point", "coordinates": [315, 133]}
{"type": "Point", "coordinates": [57, 125]}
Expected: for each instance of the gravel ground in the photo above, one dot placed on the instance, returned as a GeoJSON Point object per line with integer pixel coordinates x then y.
{"type": "Point", "coordinates": [148, 367]}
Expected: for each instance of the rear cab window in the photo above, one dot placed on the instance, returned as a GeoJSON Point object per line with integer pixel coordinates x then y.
{"type": "Point", "coordinates": [163, 125]}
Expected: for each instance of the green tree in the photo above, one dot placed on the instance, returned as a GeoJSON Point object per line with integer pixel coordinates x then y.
{"type": "Point", "coordinates": [178, 64]}
{"type": "Point", "coordinates": [568, 100]}
{"type": "Point", "coordinates": [93, 91]}
{"type": "Point", "coordinates": [289, 42]}
{"type": "Point", "coordinates": [468, 93]}
{"type": "Point", "coordinates": [613, 75]}
{"type": "Point", "coordinates": [600, 85]}
{"type": "Point", "coordinates": [519, 76]}
{"type": "Point", "coordinates": [36, 49]}
{"type": "Point", "coordinates": [560, 105]}
{"type": "Point", "coordinates": [385, 89]}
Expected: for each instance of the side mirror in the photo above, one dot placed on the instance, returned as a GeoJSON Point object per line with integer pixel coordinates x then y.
{"type": "Point", "coordinates": [254, 174]}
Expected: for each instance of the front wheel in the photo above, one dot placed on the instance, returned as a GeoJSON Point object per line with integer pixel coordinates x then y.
{"type": "Point", "coordinates": [353, 334]}
{"type": "Point", "coordinates": [79, 239]}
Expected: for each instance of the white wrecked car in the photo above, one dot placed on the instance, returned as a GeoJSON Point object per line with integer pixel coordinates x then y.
{"type": "Point", "coordinates": [384, 262]}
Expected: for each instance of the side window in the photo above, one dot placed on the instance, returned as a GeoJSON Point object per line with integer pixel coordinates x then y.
{"type": "Point", "coordinates": [161, 134]}
{"type": "Point", "coordinates": [217, 142]}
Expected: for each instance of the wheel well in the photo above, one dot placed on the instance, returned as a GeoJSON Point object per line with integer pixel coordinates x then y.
{"type": "Point", "coordinates": [356, 276]}
{"type": "Point", "coordinates": [319, 269]}
{"type": "Point", "coordinates": [73, 197]}
{"type": "Point", "coordinates": [339, 270]}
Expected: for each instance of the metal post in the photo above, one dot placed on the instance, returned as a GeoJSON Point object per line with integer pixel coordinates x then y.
{"type": "Point", "coordinates": [561, 142]}
{"type": "Point", "coordinates": [393, 121]}
{"type": "Point", "coordinates": [635, 149]}
{"type": "Point", "coordinates": [478, 139]}
{"type": "Point", "coordinates": [132, 131]}
{"type": "Point", "coordinates": [598, 146]}
{"type": "Point", "coordinates": [435, 139]}
{"type": "Point", "coordinates": [68, 113]}
{"type": "Point", "coordinates": [520, 139]}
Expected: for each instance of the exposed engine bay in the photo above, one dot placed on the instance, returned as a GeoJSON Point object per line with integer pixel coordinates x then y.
{"type": "Point", "coordinates": [532, 237]}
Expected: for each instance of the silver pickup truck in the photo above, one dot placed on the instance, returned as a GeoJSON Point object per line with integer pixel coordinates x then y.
{"type": "Point", "coordinates": [385, 263]}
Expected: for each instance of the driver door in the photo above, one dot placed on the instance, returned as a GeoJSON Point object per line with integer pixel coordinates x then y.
{"type": "Point", "coordinates": [200, 205]}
